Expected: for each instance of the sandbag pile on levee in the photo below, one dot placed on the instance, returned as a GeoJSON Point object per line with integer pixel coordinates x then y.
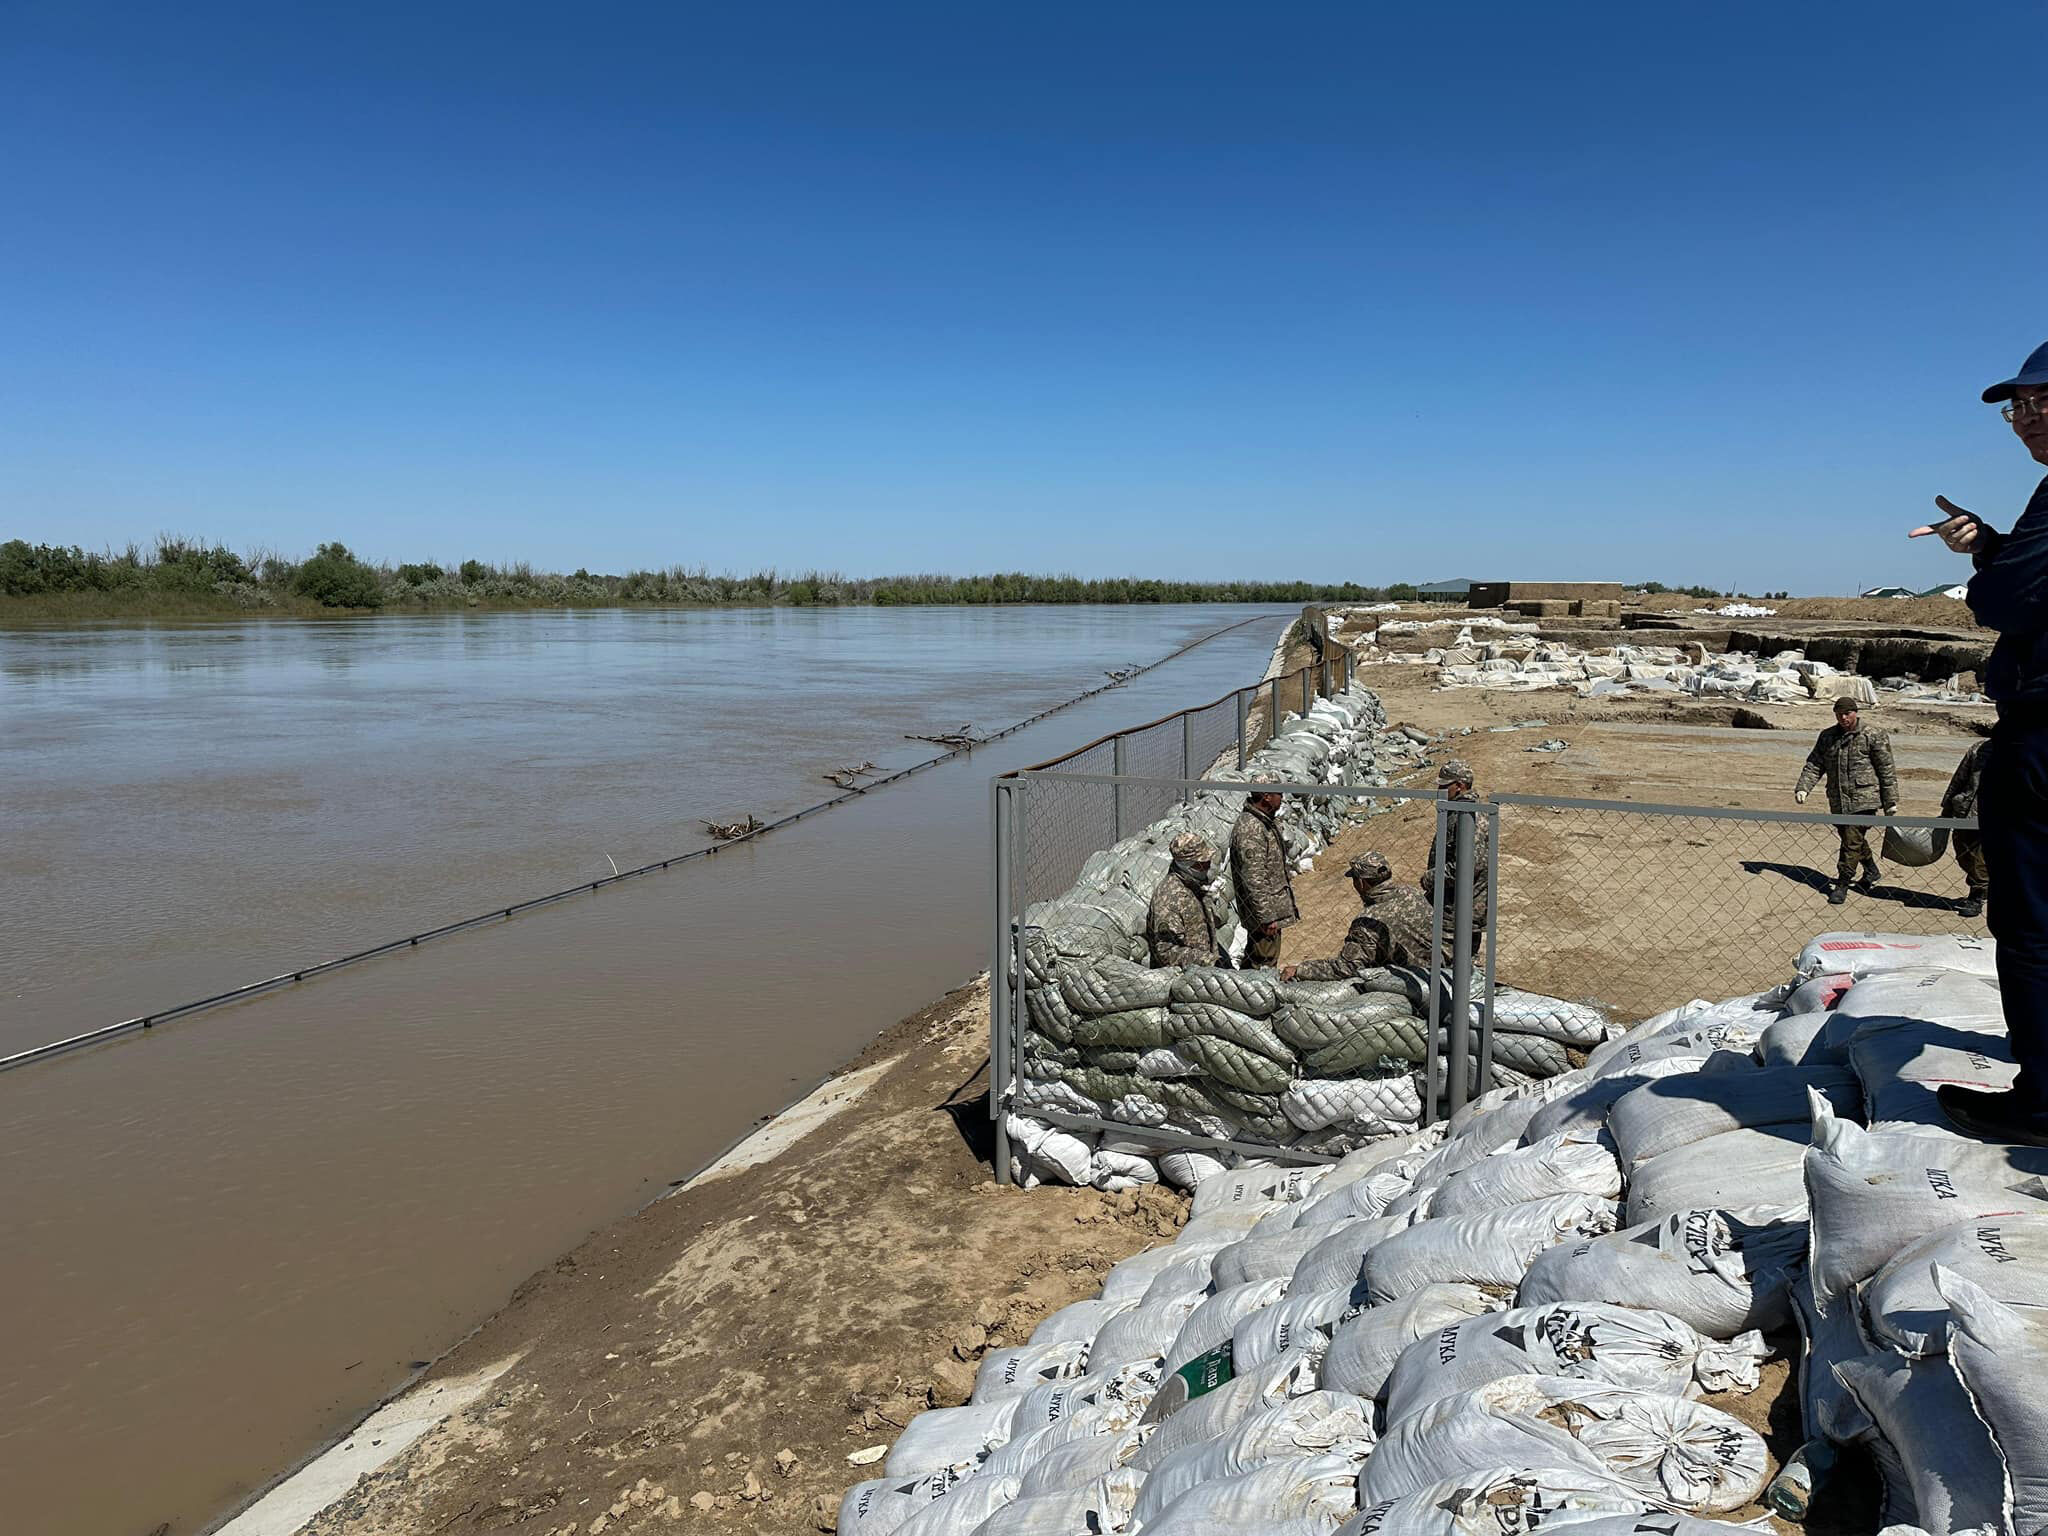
{"type": "Point", "coordinates": [1487, 1326]}
{"type": "Point", "coordinates": [1226, 1055]}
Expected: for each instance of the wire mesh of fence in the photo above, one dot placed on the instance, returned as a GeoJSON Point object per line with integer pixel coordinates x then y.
{"type": "Point", "coordinates": [1703, 903]}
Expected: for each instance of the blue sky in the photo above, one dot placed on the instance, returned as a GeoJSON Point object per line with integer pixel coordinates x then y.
{"type": "Point", "coordinates": [1704, 293]}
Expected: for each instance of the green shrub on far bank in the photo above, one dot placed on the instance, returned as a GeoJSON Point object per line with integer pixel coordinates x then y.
{"type": "Point", "coordinates": [334, 578]}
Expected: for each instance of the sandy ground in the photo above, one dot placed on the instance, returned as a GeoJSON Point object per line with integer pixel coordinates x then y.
{"type": "Point", "coordinates": [710, 1363]}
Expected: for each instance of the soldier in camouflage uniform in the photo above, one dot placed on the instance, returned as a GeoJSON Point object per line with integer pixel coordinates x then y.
{"type": "Point", "coordinates": [1454, 778]}
{"type": "Point", "coordinates": [1393, 929]}
{"type": "Point", "coordinates": [1961, 802]}
{"type": "Point", "coordinates": [1178, 929]}
{"type": "Point", "coordinates": [1856, 760]}
{"type": "Point", "coordinates": [1258, 868]}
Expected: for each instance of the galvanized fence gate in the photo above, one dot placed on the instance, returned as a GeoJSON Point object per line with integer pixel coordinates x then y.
{"type": "Point", "coordinates": [1630, 907]}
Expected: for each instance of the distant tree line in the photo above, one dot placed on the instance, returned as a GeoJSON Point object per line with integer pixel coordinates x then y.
{"type": "Point", "coordinates": [191, 573]}
{"type": "Point", "coordinates": [1654, 588]}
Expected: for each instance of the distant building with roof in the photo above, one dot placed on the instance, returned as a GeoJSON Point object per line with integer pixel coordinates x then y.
{"type": "Point", "coordinates": [1958, 591]}
{"type": "Point", "coordinates": [1889, 592]}
{"type": "Point", "coordinates": [1444, 591]}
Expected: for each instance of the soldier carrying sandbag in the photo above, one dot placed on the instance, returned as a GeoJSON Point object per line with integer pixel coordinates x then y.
{"type": "Point", "coordinates": [1393, 929]}
{"type": "Point", "coordinates": [1258, 868]}
{"type": "Point", "coordinates": [1178, 928]}
{"type": "Point", "coordinates": [1856, 761]}
{"type": "Point", "coordinates": [1960, 802]}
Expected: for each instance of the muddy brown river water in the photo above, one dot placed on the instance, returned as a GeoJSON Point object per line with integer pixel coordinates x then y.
{"type": "Point", "coordinates": [227, 1238]}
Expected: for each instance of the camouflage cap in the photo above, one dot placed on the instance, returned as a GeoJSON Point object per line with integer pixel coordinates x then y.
{"type": "Point", "coordinates": [1846, 704]}
{"type": "Point", "coordinates": [1455, 770]}
{"type": "Point", "coordinates": [1191, 848]}
{"type": "Point", "coordinates": [1369, 866]}
{"type": "Point", "coordinates": [1258, 780]}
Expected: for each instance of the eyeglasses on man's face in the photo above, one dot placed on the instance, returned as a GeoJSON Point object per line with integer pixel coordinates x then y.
{"type": "Point", "coordinates": [2025, 406]}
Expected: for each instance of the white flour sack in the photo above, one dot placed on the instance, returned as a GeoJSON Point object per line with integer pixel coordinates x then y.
{"type": "Point", "coordinates": [1719, 1272]}
{"type": "Point", "coordinates": [1493, 1248]}
{"type": "Point", "coordinates": [1674, 1112]}
{"type": "Point", "coordinates": [1874, 1192]}
{"type": "Point", "coordinates": [1571, 1163]}
{"type": "Point", "coordinates": [1312, 1487]}
{"type": "Point", "coordinates": [1316, 1424]}
{"type": "Point", "coordinates": [2005, 1256]}
{"type": "Point", "coordinates": [1762, 1166]}
{"type": "Point", "coordinates": [1584, 1340]}
{"type": "Point", "coordinates": [1144, 1332]}
{"type": "Point", "coordinates": [1941, 1470]}
{"type": "Point", "coordinates": [1364, 1348]}
{"type": "Point", "coordinates": [1078, 1462]}
{"type": "Point", "coordinates": [1681, 1454]}
{"type": "Point", "coordinates": [1584, 1108]}
{"type": "Point", "coordinates": [1867, 954]}
{"type": "Point", "coordinates": [1266, 1258]}
{"type": "Point", "coordinates": [1510, 1501]}
{"type": "Point", "coordinates": [2001, 1355]}
{"type": "Point", "coordinates": [1078, 1322]}
{"type": "Point", "coordinates": [1217, 1318]}
{"type": "Point", "coordinates": [1967, 1003]}
{"type": "Point", "coordinates": [1903, 1061]}
{"type": "Point", "coordinates": [951, 1437]}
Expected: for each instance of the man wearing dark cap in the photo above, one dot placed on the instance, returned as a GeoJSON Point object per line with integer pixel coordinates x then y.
{"type": "Point", "coordinates": [2009, 593]}
{"type": "Point", "coordinates": [1392, 930]}
{"type": "Point", "coordinates": [1856, 761]}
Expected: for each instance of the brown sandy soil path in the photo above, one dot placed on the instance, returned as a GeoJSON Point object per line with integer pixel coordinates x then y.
{"type": "Point", "coordinates": [807, 1305]}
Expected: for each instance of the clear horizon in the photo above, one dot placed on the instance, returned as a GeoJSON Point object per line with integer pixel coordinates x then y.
{"type": "Point", "coordinates": [1335, 294]}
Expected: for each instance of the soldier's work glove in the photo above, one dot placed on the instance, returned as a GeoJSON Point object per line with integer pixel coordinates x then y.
{"type": "Point", "coordinates": [1799, 797]}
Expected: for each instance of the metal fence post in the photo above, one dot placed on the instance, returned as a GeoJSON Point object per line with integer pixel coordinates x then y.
{"type": "Point", "coordinates": [999, 977]}
{"type": "Point", "coordinates": [1492, 930]}
{"type": "Point", "coordinates": [1117, 767]}
{"type": "Point", "coordinates": [1308, 684]}
{"type": "Point", "coordinates": [1187, 745]}
{"type": "Point", "coordinates": [1461, 955]}
{"type": "Point", "coordinates": [1431, 1057]}
{"type": "Point", "coordinates": [1244, 711]}
{"type": "Point", "coordinates": [1273, 725]}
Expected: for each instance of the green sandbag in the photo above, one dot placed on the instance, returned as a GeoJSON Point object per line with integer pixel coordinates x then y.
{"type": "Point", "coordinates": [1107, 1086]}
{"type": "Point", "coordinates": [1308, 1028]}
{"type": "Point", "coordinates": [1187, 1019]}
{"type": "Point", "coordinates": [1039, 1047]}
{"type": "Point", "coordinates": [1363, 1049]}
{"type": "Point", "coordinates": [1188, 1095]}
{"type": "Point", "coordinates": [1049, 1014]}
{"type": "Point", "coordinates": [1111, 1060]}
{"type": "Point", "coordinates": [1135, 1029]}
{"type": "Point", "coordinates": [1233, 1064]}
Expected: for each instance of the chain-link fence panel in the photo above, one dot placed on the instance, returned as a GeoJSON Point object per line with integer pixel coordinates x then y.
{"type": "Point", "coordinates": [1212, 737]}
{"type": "Point", "coordinates": [1639, 908]}
{"type": "Point", "coordinates": [1057, 832]}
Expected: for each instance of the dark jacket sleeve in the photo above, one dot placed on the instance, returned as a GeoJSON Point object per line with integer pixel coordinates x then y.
{"type": "Point", "coordinates": [2010, 589]}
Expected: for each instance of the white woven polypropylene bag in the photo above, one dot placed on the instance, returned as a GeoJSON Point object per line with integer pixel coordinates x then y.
{"type": "Point", "coordinates": [1681, 1454]}
{"type": "Point", "coordinates": [1720, 1272]}
{"type": "Point", "coordinates": [2001, 1356]}
{"type": "Point", "coordinates": [1763, 1166]}
{"type": "Point", "coordinates": [1364, 1348]}
{"type": "Point", "coordinates": [1378, 1103]}
{"type": "Point", "coordinates": [2005, 1256]}
{"type": "Point", "coordinates": [1585, 1340]}
{"type": "Point", "coordinates": [1013, 1372]}
{"type": "Point", "coordinates": [1505, 1500]}
{"type": "Point", "coordinates": [1213, 1322]}
{"type": "Point", "coordinates": [1872, 1193]}
{"type": "Point", "coordinates": [1493, 1248]}
{"type": "Point", "coordinates": [1572, 1162]}
{"type": "Point", "coordinates": [1954, 1476]}
{"type": "Point", "coordinates": [1337, 1261]}
{"type": "Point", "coordinates": [1677, 1111]}
{"type": "Point", "coordinates": [1305, 1321]}
{"type": "Point", "coordinates": [1319, 1487]}
{"type": "Point", "coordinates": [1867, 954]}
{"type": "Point", "coordinates": [1314, 1424]}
